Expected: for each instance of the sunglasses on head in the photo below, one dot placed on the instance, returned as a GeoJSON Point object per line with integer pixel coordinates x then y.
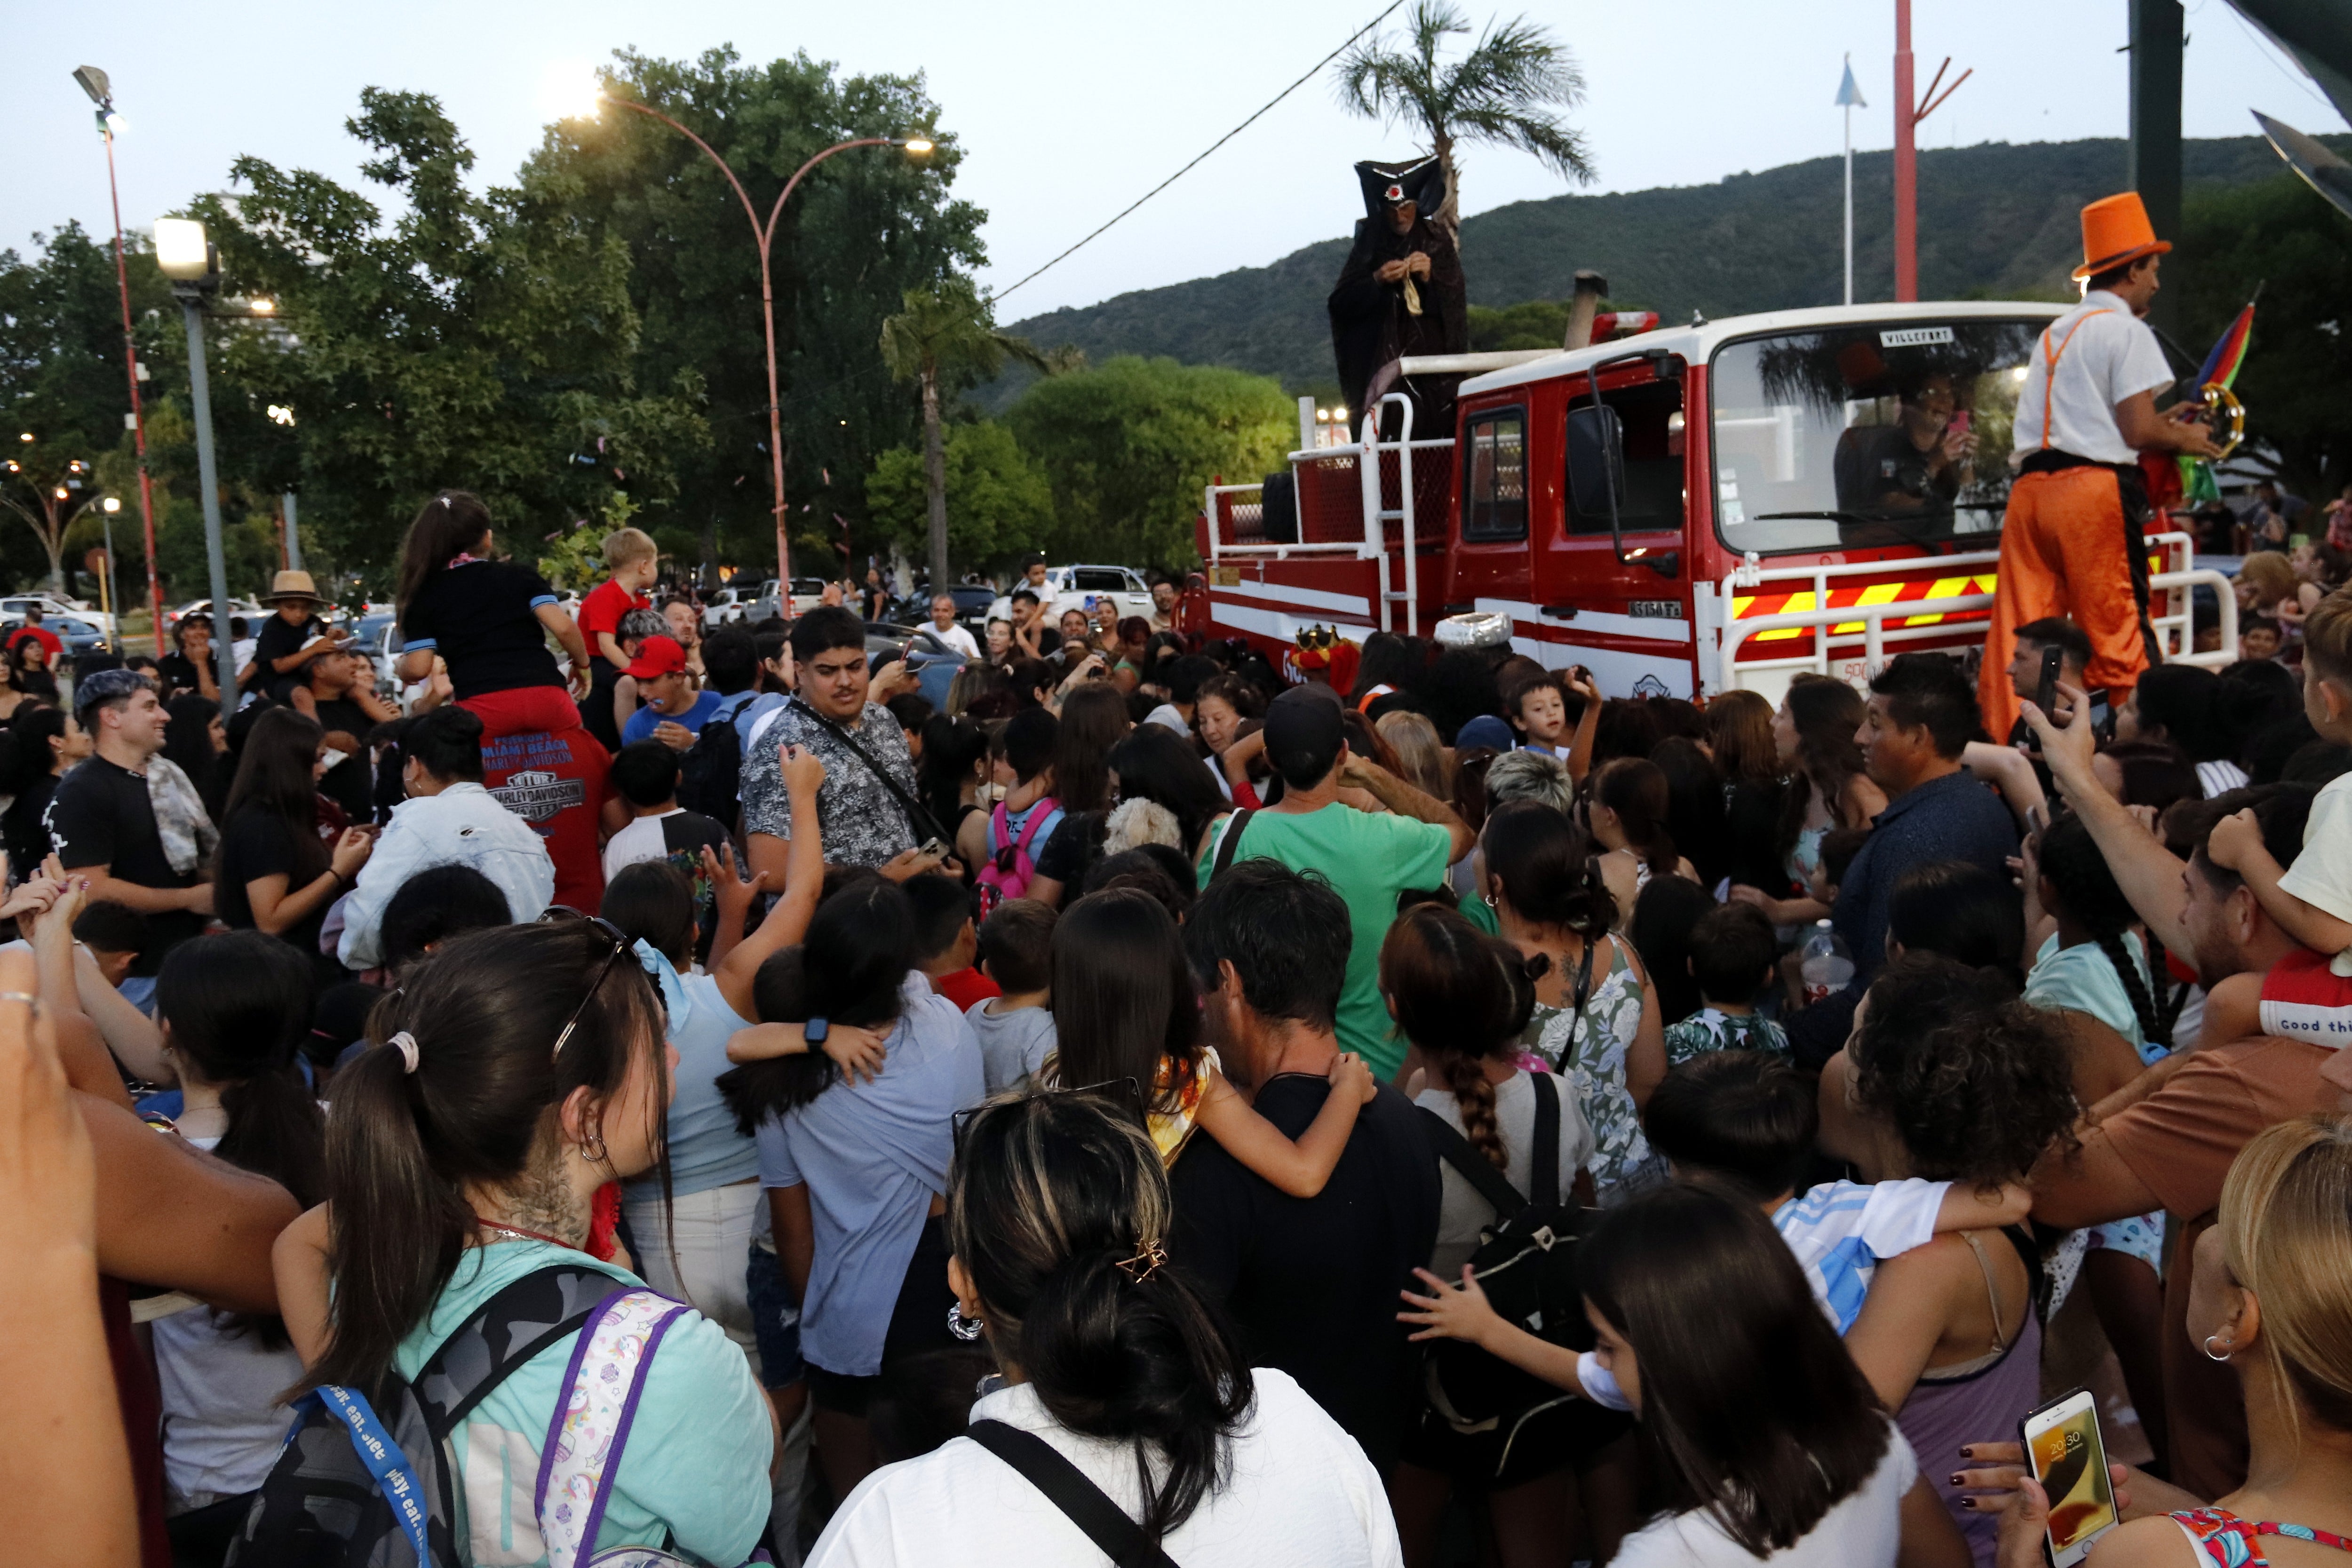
{"type": "Point", "coordinates": [558, 914]}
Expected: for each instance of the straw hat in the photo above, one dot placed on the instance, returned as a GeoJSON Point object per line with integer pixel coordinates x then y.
{"type": "Point", "coordinates": [2116, 231]}
{"type": "Point", "coordinates": [292, 585]}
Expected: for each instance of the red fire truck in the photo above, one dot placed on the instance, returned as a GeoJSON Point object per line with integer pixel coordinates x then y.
{"type": "Point", "coordinates": [1683, 511]}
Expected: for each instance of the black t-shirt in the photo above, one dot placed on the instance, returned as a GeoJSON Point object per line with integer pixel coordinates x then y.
{"type": "Point", "coordinates": [100, 816]}
{"type": "Point", "coordinates": [257, 844]}
{"type": "Point", "coordinates": [276, 639]}
{"type": "Point", "coordinates": [482, 619]}
{"type": "Point", "coordinates": [1884, 469]}
{"type": "Point", "coordinates": [1312, 1283]}
{"type": "Point", "coordinates": [350, 783]}
{"type": "Point", "coordinates": [27, 841]}
{"type": "Point", "coordinates": [1069, 849]}
{"type": "Point", "coordinates": [177, 672]}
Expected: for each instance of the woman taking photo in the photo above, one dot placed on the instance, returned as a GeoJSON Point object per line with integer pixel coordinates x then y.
{"type": "Point", "coordinates": [39, 748]}
{"type": "Point", "coordinates": [523, 1069]}
{"type": "Point", "coordinates": [1813, 733]}
{"type": "Point", "coordinates": [1596, 1019]}
{"type": "Point", "coordinates": [1058, 1213]}
{"type": "Point", "coordinates": [1765, 1439]}
{"type": "Point", "coordinates": [271, 873]}
{"type": "Point", "coordinates": [1461, 997]}
{"type": "Point", "coordinates": [1948, 1079]}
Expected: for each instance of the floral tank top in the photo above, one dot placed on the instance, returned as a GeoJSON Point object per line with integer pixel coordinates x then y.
{"type": "Point", "coordinates": [1589, 1052]}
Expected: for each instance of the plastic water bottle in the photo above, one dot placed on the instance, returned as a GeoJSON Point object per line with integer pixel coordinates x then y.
{"type": "Point", "coordinates": [1824, 963]}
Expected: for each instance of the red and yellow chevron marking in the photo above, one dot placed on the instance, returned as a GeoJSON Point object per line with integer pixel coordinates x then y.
{"type": "Point", "coordinates": [1759, 605]}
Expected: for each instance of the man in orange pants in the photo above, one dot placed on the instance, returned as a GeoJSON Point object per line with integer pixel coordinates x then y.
{"type": "Point", "coordinates": [2070, 541]}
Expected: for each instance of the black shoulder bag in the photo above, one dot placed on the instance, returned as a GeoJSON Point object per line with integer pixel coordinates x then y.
{"type": "Point", "coordinates": [919, 821]}
{"type": "Point", "coordinates": [1065, 1486]}
{"type": "Point", "coordinates": [1230, 842]}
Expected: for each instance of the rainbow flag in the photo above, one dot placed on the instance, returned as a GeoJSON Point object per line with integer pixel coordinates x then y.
{"type": "Point", "coordinates": [2220, 369]}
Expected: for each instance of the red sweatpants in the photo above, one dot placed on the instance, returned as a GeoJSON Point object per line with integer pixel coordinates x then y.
{"type": "Point", "coordinates": [2062, 553]}
{"type": "Point", "coordinates": [550, 771]}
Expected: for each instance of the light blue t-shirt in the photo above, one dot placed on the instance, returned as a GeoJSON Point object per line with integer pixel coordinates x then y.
{"type": "Point", "coordinates": [705, 1149]}
{"type": "Point", "coordinates": [872, 1156]}
{"type": "Point", "coordinates": [644, 721]}
{"type": "Point", "coordinates": [2084, 979]}
{"type": "Point", "coordinates": [1840, 1231]}
{"type": "Point", "coordinates": [747, 717]}
{"type": "Point", "coordinates": [696, 1464]}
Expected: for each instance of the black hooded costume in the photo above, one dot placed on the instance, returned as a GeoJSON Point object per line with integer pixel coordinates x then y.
{"type": "Point", "coordinates": [1374, 324]}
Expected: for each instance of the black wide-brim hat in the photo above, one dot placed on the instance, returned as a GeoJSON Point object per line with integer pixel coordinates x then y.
{"type": "Point", "coordinates": [1386, 186]}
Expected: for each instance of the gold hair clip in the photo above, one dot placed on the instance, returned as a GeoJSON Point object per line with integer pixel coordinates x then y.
{"type": "Point", "coordinates": [1146, 1262]}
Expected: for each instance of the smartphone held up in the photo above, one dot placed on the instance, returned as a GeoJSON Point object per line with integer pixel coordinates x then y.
{"type": "Point", "coordinates": [2069, 1458]}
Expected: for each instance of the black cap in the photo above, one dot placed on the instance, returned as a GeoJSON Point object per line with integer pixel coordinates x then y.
{"type": "Point", "coordinates": [1304, 732]}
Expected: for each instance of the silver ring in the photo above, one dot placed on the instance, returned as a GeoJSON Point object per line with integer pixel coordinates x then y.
{"type": "Point", "coordinates": [26, 997]}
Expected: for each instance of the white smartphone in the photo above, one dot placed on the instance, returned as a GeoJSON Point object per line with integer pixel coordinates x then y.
{"type": "Point", "coordinates": [2070, 1459]}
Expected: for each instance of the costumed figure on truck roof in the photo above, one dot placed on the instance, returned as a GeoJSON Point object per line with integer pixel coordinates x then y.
{"type": "Point", "coordinates": [1400, 294]}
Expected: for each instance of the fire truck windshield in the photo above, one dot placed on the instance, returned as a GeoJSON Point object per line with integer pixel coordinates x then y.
{"type": "Point", "coordinates": [1866, 434]}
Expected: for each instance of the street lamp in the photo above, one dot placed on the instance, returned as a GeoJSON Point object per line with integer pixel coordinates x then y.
{"type": "Point", "coordinates": [110, 125]}
{"type": "Point", "coordinates": [763, 235]}
{"type": "Point", "coordinates": [193, 264]}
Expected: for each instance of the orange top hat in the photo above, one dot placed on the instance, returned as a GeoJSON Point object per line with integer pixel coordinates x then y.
{"type": "Point", "coordinates": [2116, 230]}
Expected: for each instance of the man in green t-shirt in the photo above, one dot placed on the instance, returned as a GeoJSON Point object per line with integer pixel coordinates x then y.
{"type": "Point", "coordinates": [1368, 858]}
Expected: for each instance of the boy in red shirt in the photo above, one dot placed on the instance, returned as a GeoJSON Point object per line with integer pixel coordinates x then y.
{"type": "Point", "coordinates": [633, 559]}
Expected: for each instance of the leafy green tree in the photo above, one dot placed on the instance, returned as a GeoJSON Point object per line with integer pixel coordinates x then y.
{"type": "Point", "coordinates": [2281, 235]}
{"type": "Point", "coordinates": [484, 341]}
{"type": "Point", "coordinates": [1502, 92]}
{"type": "Point", "coordinates": [998, 502]}
{"type": "Point", "coordinates": [948, 334]}
{"type": "Point", "coordinates": [863, 229]}
{"type": "Point", "coordinates": [1127, 446]}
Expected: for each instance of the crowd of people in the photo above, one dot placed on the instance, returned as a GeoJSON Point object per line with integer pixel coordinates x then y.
{"type": "Point", "coordinates": [692, 1093]}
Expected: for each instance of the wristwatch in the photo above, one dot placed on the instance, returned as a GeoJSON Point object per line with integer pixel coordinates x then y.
{"type": "Point", "coordinates": [814, 1031]}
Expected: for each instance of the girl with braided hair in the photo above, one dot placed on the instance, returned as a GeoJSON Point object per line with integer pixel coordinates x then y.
{"type": "Point", "coordinates": [1462, 998]}
{"type": "Point", "coordinates": [2092, 972]}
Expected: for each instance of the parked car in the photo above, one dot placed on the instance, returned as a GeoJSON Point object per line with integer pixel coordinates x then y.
{"type": "Point", "coordinates": [932, 660]}
{"type": "Point", "coordinates": [724, 606]}
{"type": "Point", "coordinates": [81, 631]}
{"type": "Point", "coordinates": [1078, 588]}
{"type": "Point", "coordinates": [252, 612]}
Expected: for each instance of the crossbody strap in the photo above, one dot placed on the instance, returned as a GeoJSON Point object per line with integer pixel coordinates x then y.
{"type": "Point", "coordinates": [1543, 1185]}
{"type": "Point", "coordinates": [1231, 841]}
{"type": "Point", "coordinates": [1455, 1150]}
{"type": "Point", "coordinates": [919, 820]}
{"type": "Point", "coordinates": [590, 1426]}
{"type": "Point", "coordinates": [1065, 1486]}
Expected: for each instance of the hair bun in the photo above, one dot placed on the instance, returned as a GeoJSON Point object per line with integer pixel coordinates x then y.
{"type": "Point", "coordinates": [1537, 966]}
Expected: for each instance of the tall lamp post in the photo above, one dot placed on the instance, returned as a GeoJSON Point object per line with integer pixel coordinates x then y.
{"type": "Point", "coordinates": [94, 82]}
{"type": "Point", "coordinates": [192, 265]}
{"type": "Point", "coordinates": [763, 235]}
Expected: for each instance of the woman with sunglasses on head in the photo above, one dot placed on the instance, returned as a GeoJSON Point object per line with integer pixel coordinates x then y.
{"type": "Point", "coordinates": [524, 1068]}
{"type": "Point", "coordinates": [1112, 1366]}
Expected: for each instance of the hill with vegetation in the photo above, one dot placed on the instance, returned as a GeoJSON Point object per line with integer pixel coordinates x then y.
{"type": "Point", "coordinates": [1996, 221]}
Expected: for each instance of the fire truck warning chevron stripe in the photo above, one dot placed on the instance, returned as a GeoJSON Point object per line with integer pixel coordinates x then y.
{"type": "Point", "coordinates": [1759, 605]}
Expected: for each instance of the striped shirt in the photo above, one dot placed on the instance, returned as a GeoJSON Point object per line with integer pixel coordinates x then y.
{"type": "Point", "coordinates": [1840, 1231]}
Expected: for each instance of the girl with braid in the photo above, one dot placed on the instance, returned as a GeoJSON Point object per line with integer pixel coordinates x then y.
{"type": "Point", "coordinates": [1462, 998]}
{"type": "Point", "coordinates": [2092, 973]}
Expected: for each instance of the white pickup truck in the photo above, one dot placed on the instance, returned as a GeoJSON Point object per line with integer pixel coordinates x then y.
{"type": "Point", "coordinates": [1078, 587]}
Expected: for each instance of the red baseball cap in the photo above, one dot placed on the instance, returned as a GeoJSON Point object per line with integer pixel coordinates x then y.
{"type": "Point", "coordinates": [660, 655]}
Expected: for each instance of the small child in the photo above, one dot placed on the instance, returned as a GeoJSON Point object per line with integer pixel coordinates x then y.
{"type": "Point", "coordinates": [634, 561]}
{"type": "Point", "coordinates": [1016, 1027]}
{"type": "Point", "coordinates": [2258, 637]}
{"type": "Point", "coordinates": [116, 934]}
{"type": "Point", "coordinates": [1839, 847]}
{"type": "Point", "coordinates": [1732, 949]}
{"type": "Point", "coordinates": [2306, 994]}
{"type": "Point", "coordinates": [945, 942]}
{"type": "Point", "coordinates": [645, 775]}
{"type": "Point", "coordinates": [1747, 1121]}
{"type": "Point", "coordinates": [1538, 710]}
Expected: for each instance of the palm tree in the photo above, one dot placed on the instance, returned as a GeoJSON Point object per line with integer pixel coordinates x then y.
{"type": "Point", "coordinates": [1498, 92]}
{"type": "Point", "coordinates": [949, 333]}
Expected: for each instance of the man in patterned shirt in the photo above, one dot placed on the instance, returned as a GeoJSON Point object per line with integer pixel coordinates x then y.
{"type": "Point", "coordinates": [861, 819]}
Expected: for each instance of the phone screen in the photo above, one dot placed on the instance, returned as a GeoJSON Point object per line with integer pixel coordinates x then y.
{"type": "Point", "coordinates": [2045, 696]}
{"type": "Point", "coordinates": [2070, 1460]}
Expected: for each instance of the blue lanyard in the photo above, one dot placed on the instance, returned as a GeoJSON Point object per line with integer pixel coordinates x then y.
{"type": "Point", "coordinates": [395, 1475]}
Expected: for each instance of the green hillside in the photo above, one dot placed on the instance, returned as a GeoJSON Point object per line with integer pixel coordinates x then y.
{"type": "Point", "coordinates": [1996, 221]}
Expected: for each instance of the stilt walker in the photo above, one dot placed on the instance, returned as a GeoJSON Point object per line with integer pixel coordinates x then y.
{"type": "Point", "coordinates": [2071, 543]}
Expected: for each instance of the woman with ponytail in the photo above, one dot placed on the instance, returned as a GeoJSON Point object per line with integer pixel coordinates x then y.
{"type": "Point", "coordinates": [523, 1068]}
{"type": "Point", "coordinates": [1058, 1214]}
{"type": "Point", "coordinates": [2092, 972]}
{"type": "Point", "coordinates": [1596, 1020]}
{"type": "Point", "coordinates": [1627, 805]}
{"type": "Point", "coordinates": [487, 620]}
{"type": "Point", "coordinates": [235, 1008]}
{"type": "Point", "coordinates": [1462, 997]}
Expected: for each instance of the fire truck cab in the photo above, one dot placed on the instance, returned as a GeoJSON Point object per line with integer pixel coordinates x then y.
{"type": "Point", "coordinates": [1683, 511]}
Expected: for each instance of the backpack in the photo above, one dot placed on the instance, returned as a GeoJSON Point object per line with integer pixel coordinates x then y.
{"type": "Point", "coordinates": [1010, 870]}
{"type": "Point", "coordinates": [710, 777]}
{"type": "Point", "coordinates": [1526, 1262]}
{"type": "Point", "coordinates": [356, 1488]}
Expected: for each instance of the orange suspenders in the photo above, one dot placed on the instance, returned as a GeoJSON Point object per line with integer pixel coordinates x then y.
{"type": "Point", "coordinates": [2050, 366]}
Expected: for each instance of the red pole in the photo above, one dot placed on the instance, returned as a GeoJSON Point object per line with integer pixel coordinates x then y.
{"type": "Point", "coordinates": [138, 410]}
{"type": "Point", "coordinates": [1907, 168]}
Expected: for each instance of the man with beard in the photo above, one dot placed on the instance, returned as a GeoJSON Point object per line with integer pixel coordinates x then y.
{"type": "Point", "coordinates": [1400, 294]}
{"type": "Point", "coordinates": [2165, 1140]}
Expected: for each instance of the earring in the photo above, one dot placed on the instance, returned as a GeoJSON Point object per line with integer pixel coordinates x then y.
{"type": "Point", "coordinates": [2226, 1350]}
{"type": "Point", "coordinates": [963, 1328]}
{"type": "Point", "coordinates": [592, 1148]}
